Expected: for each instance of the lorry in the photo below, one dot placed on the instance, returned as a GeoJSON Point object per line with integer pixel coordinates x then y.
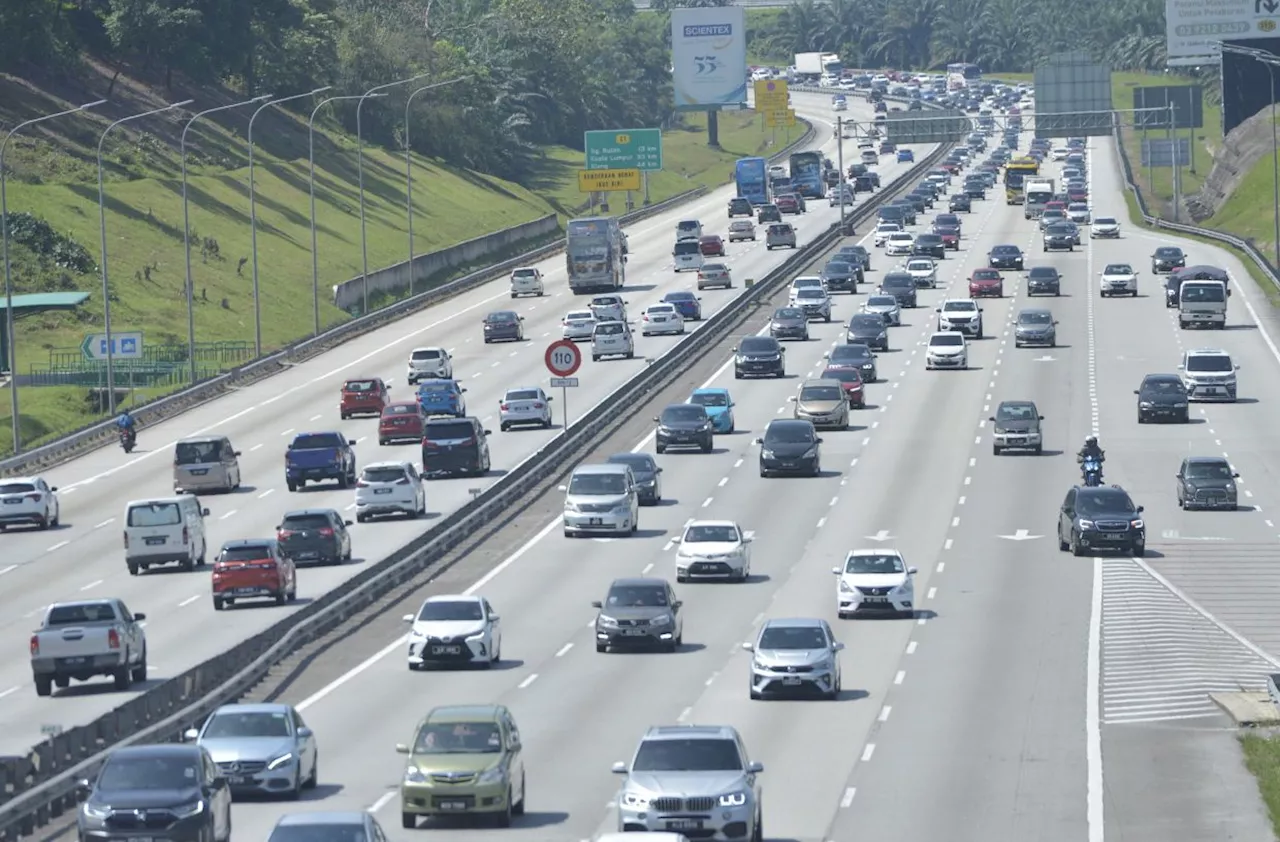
{"type": "Point", "coordinates": [1202, 304]}
{"type": "Point", "coordinates": [817, 64]}
{"type": "Point", "coordinates": [312, 457]}
{"type": "Point", "coordinates": [1038, 193]}
{"type": "Point", "coordinates": [83, 640]}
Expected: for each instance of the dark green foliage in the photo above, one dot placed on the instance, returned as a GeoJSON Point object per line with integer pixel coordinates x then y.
{"type": "Point", "coordinates": [37, 235]}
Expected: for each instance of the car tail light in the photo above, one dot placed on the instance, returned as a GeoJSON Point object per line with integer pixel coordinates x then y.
{"type": "Point", "coordinates": [646, 317]}
{"type": "Point", "coordinates": [35, 645]}
{"type": "Point", "coordinates": [504, 407]}
{"type": "Point", "coordinates": [113, 639]}
{"type": "Point", "coordinates": [35, 497]}
{"type": "Point", "coordinates": [538, 405]}
{"type": "Point", "coordinates": [326, 532]}
{"type": "Point", "coordinates": [402, 481]}
{"type": "Point", "coordinates": [186, 536]}
{"type": "Point", "coordinates": [362, 484]}
{"type": "Point", "coordinates": [429, 445]}
{"type": "Point", "coordinates": [282, 534]}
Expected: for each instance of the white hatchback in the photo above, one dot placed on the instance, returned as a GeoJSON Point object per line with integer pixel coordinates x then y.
{"type": "Point", "coordinates": [390, 488]}
{"type": "Point", "coordinates": [520, 407]}
{"type": "Point", "coordinates": [608, 308]}
{"type": "Point", "coordinates": [946, 349]}
{"type": "Point", "coordinates": [429, 364]}
{"type": "Point", "coordinates": [923, 271]}
{"type": "Point", "coordinates": [26, 500]}
{"type": "Point", "coordinates": [660, 319]}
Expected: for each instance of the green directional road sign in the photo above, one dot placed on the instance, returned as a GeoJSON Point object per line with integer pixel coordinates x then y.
{"type": "Point", "coordinates": [624, 149]}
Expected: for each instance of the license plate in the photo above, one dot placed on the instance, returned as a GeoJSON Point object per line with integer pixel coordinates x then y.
{"type": "Point", "coordinates": [452, 805]}
{"type": "Point", "coordinates": [634, 632]}
{"type": "Point", "coordinates": [151, 542]}
{"type": "Point", "coordinates": [308, 555]}
{"type": "Point", "coordinates": [1113, 536]}
{"type": "Point", "coordinates": [140, 839]}
{"type": "Point", "coordinates": [684, 824]}
{"type": "Point", "coordinates": [12, 500]}
{"type": "Point", "coordinates": [876, 599]}
{"type": "Point", "coordinates": [74, 662]}
{"type": "Point", "coordinates": [382, 491]}
{"type": "Point", "coordinates": [445, 650]}
{"type": "Point", "coordinates": [199, 473]}
{"type": "Point", "coordinates": [1017, 441]}
{"type": "Point", "coordinates": [246, 591]}
{"type": "Point", "coordinates": [236, 780]}
{"type": "Point", "coordinates": [791, 681]}
{"type": "Point", "coordinates": [595, 521]}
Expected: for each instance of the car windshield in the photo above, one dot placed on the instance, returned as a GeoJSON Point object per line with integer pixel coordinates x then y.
{"type": "Point", "coordinates": [1164, 387]}
{"type": "Point", "coordinates": [688, 226]}
{"type": "Point", "coordinates": [579, 316]}
{"type": "Point", "coordinates": [245, 552]}
{"type": "Point", "coordinates": [709, 399]}
{"type": "Point", "coordinates": [1092, 503]}
{"type": "Point", "coordinates": [901, 236]}
{"type": "Point", "coordinates": [919, 266]}
{"type": "Point", "coordinates": [1078, 207]}
{"type": "Point", "coordinates": [809, 292]}
{"type": "Point", "coordinates": [256, 724]}
{"type": "Point", "coordinates": [459, 738]}
{"type": "Point", "coordinates": [707, 267]}
{"type": "Point", "coordinates": [792, 637]}
{"type": "Point", "coordinates": [81, 612]}
{"type": "Point", "coordinates": [683, 296]}
{"type": "Point", "coordinates": [1033, 317]}
{"type": "Point", "coordinates": [1043, 272]}
{"type": "Point", "coordinates": [789, 434]}
{"type": "Point", "coordinates": [1007, 250]}
{"type": "Point", "coordinates": [959, 307]}
{"type": "Point", "coordinates": [390, 473]}
{"type": "Point", "coordinates": [636, 596]}
{"type": "Point", "coordinates": [874, 564]}
{"type": "Point", "coordinates": [402, 409]}
{"type": "Point", "coordinates": [1169, 253]}
{"type": "Point", "coordinates": [685, 247]}
{"type": "Point", "coordinates": [449, 431]}
{"type": "Point", "coordinates": [1118, 269]}
{"type": "Point", "coordinates": [502, 317]}
{"type": "Point", "coordinates": [196, 452]}
{"type": "Point", "coordinates": [1208, 470]}
{"type": "Point", "coordinates": [317, 832]}
{"type": "Point", "coordinates": [425, 354]}
{"type": "Point", "coordinates": [641, 463]}
{"type": "Point", "coordinates": [523, 395]}
{"type": "Point", "coordinates": [1203, 293]}
{"type": "Point", "coordinates": [851, 354]}
{"type": "Point", "coordinates": [155, 514]}
{"type": "Point", "coordinates": [1209, 362]}
{"type": "Point", "coordinates": [711, 534]}
{"type": "Point", "coordinates": [1017, 412]}
{"type": "Point", "coordinates": [661, 309]}
{"type": "Point", "coordinates": [888, 227]}
{"type": "Point", "coordinates": [927, 239]}
{"type": "Point", "coordinates": [525, 273]}
{"type": "Point", "coordinates": [882, 301]}
{"type": "Point", "coordinates": [683, 414]}
{"type": "Point", "coordinates": [359, 386]}
{"type": "Point", "coordinates": [122, 774]}
{"type": "Point", "coordinates": [16, 487]}
{"type": "Point", "coordinates": [821, 393]}
{"type": "Point", "coordinates": [757, 345]}
{"type": "Point", "coordinates": [688, 755]}
{"type": "Point", "coordinates": [866, 321]}
{"type": "Point", "coordinates": [740, 225]}
{"type": "Point", "coordinates": [788, 313]}
{"type": "Point", "coordinates": [308, 521]}
{"type": "Point", "coordinates": [940, 340]}
{"type": "Point", "coordinates": [595, 484]}
{"type": "Point", "coordinates": [614, 329]}
{"type": "Point", "coordinates": [450, 611]}
{"type": "Point", "coordinates": [605, 301]}
{"type": "Point", "coordinates": [838, 268]}
{"type": "Point", "coordinates": [844, 375]}
{"type": "Point", "coordinates": [318, 441]}
{"type": "Point", "coordinates": [1104, 220]}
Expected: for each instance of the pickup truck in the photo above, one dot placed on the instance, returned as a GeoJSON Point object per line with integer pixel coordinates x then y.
{"type": "Point", "coordinates": [320, 456]}
{"type": "Point", "coordinates": [82, 640]}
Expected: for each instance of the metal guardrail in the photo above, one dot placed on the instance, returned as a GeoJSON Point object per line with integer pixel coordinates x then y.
{"type": "Point", "coordinates": [161, 714]}
{"type": "Point", "coordinates": [1264, 265]}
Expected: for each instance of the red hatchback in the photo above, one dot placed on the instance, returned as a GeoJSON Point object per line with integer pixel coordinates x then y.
{"type": "Point", "coordinates": [986, 283]}
{"type": "Point", "coordinates": [401, 421]}
{"type": "Point", "coordinates": [851, 380]}
{"type": "Point", "coordinates": [363, 397]}
{"type": "Point", "coordinates": [253, 569]}
{"type": "Point", "coordinates": [711, 246]}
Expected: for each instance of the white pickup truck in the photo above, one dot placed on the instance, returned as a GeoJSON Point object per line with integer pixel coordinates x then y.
{"type": "Point", "coordinates": [82, 640]}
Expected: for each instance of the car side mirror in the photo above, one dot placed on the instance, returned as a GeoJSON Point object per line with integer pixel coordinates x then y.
{"type": "Point", "coordinates": [495, 617]}
{"type": "Point", "coordinates": [679, 603]}
{"type": "Point", "coordinates": [791, 399]}
{"type": "Point", "coordinates": [836, 571]}
{"type": "Point", "coordinates": [818, 440]}
{"type": "Point", "coordinates": [1237, 369]}
{"type": "Point", "coordinates": [1041, 418]}
{"type": "Point", "coordinates": [658, 471]}
{"type": "Point", "coordinates": [595, 603]}
{"type": "Point", "coordinates": [992, 419]}
{"type": "Point", "coordinates": [401, 748]}
{"type": "Point", "coordinates": [1141, 509]}
{"type": "Point", "coordinates": [757, 441]}
{"type": "Point", "coordinates": [911, 571]}
{"type": "Point", "coordinates": [460, 390]}
{"type": "Point", "coordinates": [84, 785]}
{"type": "Point", "coordinates": [220, 782]}
{"type": "Point", "coordinates": [487, 432]}
{"type": "Point", "coordinates": [937, 309]}
{"type": "Point", "coordinates": [550, 399]}
{"type": "Point", "coordinates": [137, 618]}
{"type": "Point", "coordinates": [837, 647]}
{"type": "Point", "coordinates": [825, 356]}
{"type": "Point", "coordinates": [1235, 476]}
{"type": "Point", "coordinates": [1181, 366]}
{"type": "Point", "coordinates": [352, 442]}
{"type": "Point", "coordinates": [1137, 392]}
{"type": "Point", "coordinates": [677, 539]}
{"type": "Point", "coordinates": [619, 768]}
{"type": "Point", "coordinates": [655, 420]}
{"type": "Point", "coordinates": [190, 734]}
{"type": "Point", "coordinates": [562, 488]}
{"type": "Point", "coordinates": [346, 523]}
{"type": "Point", "coordinates": [304, 732]}
{"type": "Point", "coordinates": [755, 767]}
{"type": "Point", "coordinates": [204, 512]}
{"type": "Point", "coordinates": [408, 618]}
{"type": "Point", "coordinates": [750, 647]}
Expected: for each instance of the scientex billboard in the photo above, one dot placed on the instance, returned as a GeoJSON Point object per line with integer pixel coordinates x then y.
{"type": "Point", "coordinates": [709, 57]}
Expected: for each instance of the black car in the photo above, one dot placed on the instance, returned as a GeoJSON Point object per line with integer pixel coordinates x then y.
{"type": "Point", "coordinates": [455, 446]}
{"type": "Point", "coordinates": [1207, 482]}
{"type": "Point", "coordinates": [684, 425]}
{"type": "Point", "coordinates": [768, 213]}
{"type": "Point", "coordinates": [908, 210]}
{"type": "Point", "coordinates": [865, 183]}
{"type": "Point", "coordinates": [1059, 236]}
{"type": "Point", "coordinates": [790, 446]}
{"type": "Point", "coordinates": [901, 286]}
{"type": "Point", "coordinates": [856, 170]}
{"type": "Point", "coordinates": [314, 535]}
{"type": "Point", "coordinates": [1167, 259]}
{"type": "Point", "coordinates": [929, 245]}
{"type": "Point", "coordinates": [869, 329]}
{"type": "Point", "coordinates": [759, 356]}
{"type": "Point", "coordinates": [163, 791]}
{"type": "Point", "coordinates": [1162, 397]}
{"type": "Point", "coordinates": [740, 206]}
{"type": "Point", "coordinates": [789, 323]}
{"type": "Point", "coordinates": [975, 188]}
{"type": "Point", "coordinates": [647, 473]}
{"type": "Point", "coordinates": [915, 201]}
{"type": "Point", "coordinates": [1005, 257]}
{"type": "Point", "coordinates": [1044, 280]}
{"type": "Point", "coordinates": [960, 202]}
{"type": "Point", "coordinates": [854, 356]}
{"type": "Point", "coordinates": [503, 325]}
{"type": "Point", "coordinates": [841, 276]}
{"type": "Point", "coordinates": [1101, 518]}
{"type": "Point", "coordinates": [860, 251]}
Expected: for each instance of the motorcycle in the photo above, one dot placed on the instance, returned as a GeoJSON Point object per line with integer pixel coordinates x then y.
{"type": "Point", "coordinates": [1091, 471]}
{"type": "Point", "coordinates": [128, 439]}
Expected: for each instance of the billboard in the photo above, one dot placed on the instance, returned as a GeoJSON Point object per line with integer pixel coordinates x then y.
{"type": "Point", "coordinates": [1187, 102]}
{"type": "Point", "coordinates": [1073, 97]}
{"type": "Point", "coordinates": [1246, 83]}
{"type": "Point", "coordinates": [709, 57]}
{"type": "Point", "coordinates": [1197, 28]}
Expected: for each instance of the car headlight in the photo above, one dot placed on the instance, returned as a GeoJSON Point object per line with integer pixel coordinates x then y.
{"type": "Point", "coordinates": [95, 811]}
{"type": "Point", "coordinates": [1136, 523]}
{"type": "Point", "coordinates": [1144, 404]}
{"type": "Point", "coordinates": [622, 509]}
{"type": "Point", "coordinates": [1231, 486]}
{"type": "Point", "coordinates": [280, 761]}
{"type": "Point", "coordinates": [1086, 524]}
{"type": "Point", "coordinates": [570, 507]}
{"type": "Point", "coordinates": [414, 775]}
{"type": "Point", "coordinates": [607, 621]}
{"type": "Point", "coordinates": [660, 620]}
{"type": "Point", "coordinates": [480, 635]}
{"type": "Point", "coordinates": [186, 811]}
{"type": "Point", "coordinates": [1180, 405]}
{"type": "Point", "coordinates": [635, 801]}
{"type": "Point", "coordinates": [495, 775]}
{"type": "Point", "coordinates": [733, 799]}
{"type": "Point", "coordinates": [811, 452]}
{"type": "Point", "coordinates": [766, 454]}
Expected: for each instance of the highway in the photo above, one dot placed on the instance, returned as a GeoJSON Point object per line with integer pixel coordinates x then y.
{"type": "Point", "coordinates": [1003, 710]}
{"type": "Point", "coordinates": [84, 557]}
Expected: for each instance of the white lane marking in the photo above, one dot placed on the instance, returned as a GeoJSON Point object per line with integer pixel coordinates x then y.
{"type": "Point", "coordinates": [932, 593]}
{"type": "Point", "coordinates": [563, 650]}
{"type": "Point", "coordinates": [867, 751]}
{"type": "Point", "coordinates": [647, 568]}
{"type": "Point", "coordinates": [722, 482]}
{"type": "Point", "coordinates": [227, 515]}
{"type": "Point", "coordinates": [684, 715]}
{"type": "Point", "coordinates": [961, 501]}
{"type": "Point", "coordinates": [738, 464]}
{"type": "Point", "coordinates": [9, 569]}
{"type": "Point", "coordinates": [822, 521]}
{"type": "Point", "coordinates": [57, 546]}
{"type": "Point", "coordinates": [1092, 717]}
{"type": "Point", "coordinates": [942, 565]}
{"type": "Point", "coordinates": [527, 681]}
{"type": "Point", "coordinates": [902, 674]}
{"type": "Point", "coordinates": [314, 418]}
{"type": "Point", "coordinates": [955, 521]}
{"type": "Point", "coordinates": [968, 480]}
{"type": "Point", "coordinates": [106, 522]}
{"type": "Point", "coordinates": [972, 461]}
{"type": "Point", "coordinates": [911, 647]}
{"type": "Point", "coordinates": [255, 447]}
{"type": "Point", "coordinates": [847, 799]}
{"type": "Point", "coordinates": [706, 502]}
{"type": "Point", "coordinates": [834, 500]}
{"type": "Point", "coordinates": [884, 714]}
{"type": "Point", "coordinates": [383, 800]}
{"type": "Point", "coordinates": [667, 546]}
{"type": "Point", "coordinates": [266, 493]}
{"type": "Point", "coordinates": [286, 432]}
{"type": "Point", "coordinates": [92, 585]}
{"type": "Point", "coordinates": [947, 545]}
{"type": "Point", "coordinates": [188, 601]}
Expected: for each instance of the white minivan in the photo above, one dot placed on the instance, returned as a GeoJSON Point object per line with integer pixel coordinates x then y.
{"type": "Point", "coordinates": [166, 530]}
{"type": "Point", "coordinates": [612, 339]}
{"type": "Point", "coordinates": [686, 255]}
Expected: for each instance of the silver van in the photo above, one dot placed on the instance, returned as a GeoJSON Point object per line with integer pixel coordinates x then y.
{"type": "Point", "coordinates": [601, 498]}
{"type": "Point", "coordinates": [167, 530]}
{"type": "Point", "coordinates": [612, 339]}
{"type": "Point", "coordinates": [206, 463]}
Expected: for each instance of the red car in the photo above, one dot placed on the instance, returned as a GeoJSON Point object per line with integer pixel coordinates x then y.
{"type": "Point", "coordinates": [402, 421]}
{"type": "Point", "coordinates": [951, 167]}
{"type": "Point", "coordinates": [253, 569]}
{"type": "Point", "coordinates": [363, 397]}
{"type": "Point", "coordinates": [1078, 195]}
{"type": "Point", "coordinates": [711, 246]}
{"type": "Point", "coordinates": [1056, 205]}
{"type": "Point", "coordinates": [950, 235]}
{"type": "Point", "coordinates": [851, 381]}
{"type": "Point", "coordinates": [986, 283]}
{"type": "Point", "coordinates": [787, 204]}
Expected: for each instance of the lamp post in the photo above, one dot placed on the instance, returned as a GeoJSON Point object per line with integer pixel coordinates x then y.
{"type": "Point", "coordinates": [10, 343]}
{"type": "Point", "coordinates": [364, 240]}
{"type": "Point", "coordinates": [253, 216]}
{"type": "Point", "coordinates": [1269, 61]}
{"type": "Point", "coordinates": [408, 165]}
{"type": "Point", "coordinates": [186, 226]}
{"type": "Point", "coordinates": [102, 232]}
{"type": "Point", "coordinates": [311, 173]}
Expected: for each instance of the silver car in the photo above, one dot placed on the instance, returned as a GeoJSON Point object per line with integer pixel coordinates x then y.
{"type": "Point", "coordinates": [608, 308]}
{"type": "Point", "coordinates": [691, 778]}
{"type": "Point", "coordinates": [578, 325]}
{"type": "Point", "coordinates": [814, 301]}
{"type": "Point", "coordinates": [795, 656]}
{"type": "Point", "coordinates": [886, 306]}
{"type": "Point", "coordinates": [521, 407]}
{"type": "Point", "coordinates": [260, 749]}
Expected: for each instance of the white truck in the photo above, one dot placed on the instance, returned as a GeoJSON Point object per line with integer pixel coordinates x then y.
{"type": "Point", "coordinates": [1202, 304]}
{"type": "Point", "coordinates": [817, 64]}
{"type": "Point", "coordinates": [82, 640]}
{"type": "Point", "coordinates": [1038, 193]}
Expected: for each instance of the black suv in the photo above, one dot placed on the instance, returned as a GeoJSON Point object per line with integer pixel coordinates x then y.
{"type": "Point", "coordinates": [683, 425]}
{"type": "Point", "coordinates": [790, 446]}
{"type": "Point", "coordinates": [454, 446]}
{"type": "Point", "coordinates": [1207, 482]}
{"type": "Point", "coordinates": [1167, 259]}
{"type": "Point", "coordinates": [1104, 518]}
{"type": "Point", "coordinates": [740, 206]}
{"type": "Point", "coordinates": [315, 535]}
{"type": "Point", "coordinates": [1162, 396]}
{"type": "Point", "coordinates": [166, 791]}
{"type": "Point", "coordinates": [762, 356]}
{"type": "Point", "coordinates": [768, 213]}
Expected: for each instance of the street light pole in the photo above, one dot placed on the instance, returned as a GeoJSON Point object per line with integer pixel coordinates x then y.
{"type": "Point", "coordinates": [840, 163]}
{"type": "Point", "coordinates": [364, 240]}
{"type": "Point", "coordinates": [408, 165]}
{"type": "Point", "coordinates": [10, 343]}
{"type": "Point", "coordinates": [253, 216]}
{"type": "Point", "coordinates": [102, 232]}
{"type": "Point", "coordinates": [186, 227]}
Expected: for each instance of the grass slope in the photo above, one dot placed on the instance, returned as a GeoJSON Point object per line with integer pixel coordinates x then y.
{"type": "Point", "coordinates": [1262, 758]}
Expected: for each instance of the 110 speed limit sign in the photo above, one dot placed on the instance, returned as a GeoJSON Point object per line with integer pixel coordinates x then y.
{"type": "Point", "coordinates": [563, 358]}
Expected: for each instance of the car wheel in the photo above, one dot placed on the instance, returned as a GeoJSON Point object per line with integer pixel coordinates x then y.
{"type": "Point", "coordinates": [602, 647]}
{"type": "Point", "coordinates": [995, 450]}
{"type": "Point", "coordinates": [1076, 549]}
{"type": "Point", "coordinates": [1139, 549]}
{"type": "Point", "coordinates": [408, 821]}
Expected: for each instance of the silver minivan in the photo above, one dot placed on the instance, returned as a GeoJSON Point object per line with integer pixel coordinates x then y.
{"type": "Point", "coordinates": [612, 339]}
{"type": "Point", "coordinates": [600, 499]}
{"type": "Point", "coordinates": [205, 463]}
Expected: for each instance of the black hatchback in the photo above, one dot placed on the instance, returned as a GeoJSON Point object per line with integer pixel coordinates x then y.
{"type": "Point", "coordinates": [929, 245]}
{"type": "Point", "coordinates": [1162, 397]}
{"type": "Point", "coordinates": [314, 535]}
{"type": "Point", "coordinates": [759, 356]}
{"type": "Point", "coordinates": [839, 275]}
{"type": "Point", "coordinates": [960, 202]}
{"type": "Point", "coordinates": [869, 329]}
{"type": "Point", "coordinates": [901, 286]}
{"type": "Point", "coordinates": [684, 425]}
{"type": "Point", "coordinates": [1005, 257]}
{"type": "Point", "coordinates": [790, 446]}
{"type": "Point", "coordinates": [1044, 280]}
{"type": "Point", "coordinates": [1096, 519]}
{"type": "Point", "coordinates": [503, 326]}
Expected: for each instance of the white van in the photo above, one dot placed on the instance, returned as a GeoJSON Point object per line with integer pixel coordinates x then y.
{"type": "Point", "coordinates": [612, 339]}
{"type": "Point", "coordinates": [601, 498]}
{"type": "Point", "coordinates": [687, 254]}
{"type": "Point", "coordinates": [1202, 304]}
{"type": "Point", "coordinates": [166, 530]}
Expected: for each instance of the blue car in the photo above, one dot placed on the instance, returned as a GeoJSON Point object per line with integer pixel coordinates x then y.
{"type": "Point", "coordinates": [688, 304]}
{"type": "Point", "coordinates": [906, 156]}
{"type": "Point", "coordinates": [442, 397]}
{"type": "Point", "coordinates": [719, 408]}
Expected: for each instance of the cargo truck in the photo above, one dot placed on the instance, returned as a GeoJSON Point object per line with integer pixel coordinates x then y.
{"type": "Point", "coordinates": [1039, 192]}
{"type": "Point", "coordinates": [817, 64]}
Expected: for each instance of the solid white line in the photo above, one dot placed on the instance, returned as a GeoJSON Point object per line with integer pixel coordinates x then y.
{"type": "Point", "coordinates": [9, 569]}
{"type": "Point", "coordinates": [57, 546]}
{"type": "Point", "coordinates": [1092, 721]}
{"type": "Point", "coordinates": [563, 650]}
{"type": "Point", "coordinates": [265, 493]}
{"type": "Point", "coordinates": [227, 515]}
{"type": "Point", "coordinates": [106, 522]}
{"type": "Point", "coordinates": [188, 601]}
{"type": "Point", "coordinates": [4, 693]}
{"type": "Point", "coordinates": [92, 585]}
{"type": "Point", "coordinates": [527, 681]}
{"type": "Point", "coordinates": [383, 800]}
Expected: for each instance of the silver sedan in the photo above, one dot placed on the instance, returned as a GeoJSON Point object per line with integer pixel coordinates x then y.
{"type": "Point", "coordinates": [885, 306]}
{"type": "Point", "coordinates": [263, 749]}
{"type": "Point", "coordinates": [526, 406]}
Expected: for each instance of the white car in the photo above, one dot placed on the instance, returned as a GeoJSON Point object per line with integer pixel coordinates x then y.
{"type": "Point", "coordinates": [390, 488]}
{"type": "Point", "coordinates": [526, 281]}
{"type": "Point", "coordinates": [1105, 227]}
{"type": "Point", "coordinates": [688, 229]}
{"type": "Point", "coordinates": [713, 549]}
{"type": "Point", "coordinates": [875, 582]}
{"type": "Point", "coordinates": [884, 230]}
{"type": "Point", "coordinates": [1078, 212]}
{"type": "Point", "coordinates": [661, 319]}
{"type": "Point", "coordinates": [777, 172]}
{"type": "Point", "coordinates": [1060, 153]}
{"type": "Point", "coordinates": [923, 271]}
{"type": "Point", "coordinates": [885, 306]}
{"type": "Point", "coordinates": [524, 406]}
{"type": "Point", "coordinates": [454, 631]}
{"type": "Point", "coordinates": [714, 275]}
{"type": "Point", "coordinates": [28, 500]}
{"type": "Point", "coordinates": [608, 308]}
{"type": "Point", "coordinates": [804, 281]}
{"type": "Point", "coordinates": [612, 339]}
{"type": "Point", "coordinates": [429, 364]}
{"type": "Point", "coordinates": [578, 325]}
{"type": "Point", "coordinates": [946, 349]}
{"type": "Point", "coordinates": [899, 243]}
{"type": "Point", "coordinates": [1119, 279]}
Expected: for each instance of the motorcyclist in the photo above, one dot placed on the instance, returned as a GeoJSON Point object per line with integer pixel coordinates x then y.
{"type": "Point", "coordinates": [1091, 450]}
{"type": "Point", "coordinates": [125, 425]}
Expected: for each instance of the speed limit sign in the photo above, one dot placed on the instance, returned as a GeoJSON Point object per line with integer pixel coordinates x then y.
{"type": "Point", "coordinates": [563, 358]}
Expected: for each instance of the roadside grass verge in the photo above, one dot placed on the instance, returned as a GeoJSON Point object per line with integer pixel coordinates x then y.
{"type": "Point", "coordinates": [1262, 758]}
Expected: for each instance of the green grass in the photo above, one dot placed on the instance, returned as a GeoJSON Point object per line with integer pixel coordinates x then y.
{"type": "Point", "coordinates": [1249, 212]}
{"type": "Point", "coordinates": [1262, 758]}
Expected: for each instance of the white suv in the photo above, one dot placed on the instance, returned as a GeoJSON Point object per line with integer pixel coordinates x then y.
{"type": "Point", "coordinates": [961, 314]}
{"type": "Point", "coordinates": [390, 488]}
{"type": "Point", "coordinates": [27, 500]}
{"type": "Point", "coordinates": [612, 339]}
{"type": "Point", "coordinates": [429, 364]}
{"type": "Point", "coordinates": [946, 349]}
{"type": "Point", "coordinates": [1209, 375]}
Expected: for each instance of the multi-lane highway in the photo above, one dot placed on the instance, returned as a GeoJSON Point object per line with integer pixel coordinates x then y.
{"type": "Point", "coordinates": [1013, 700]}
{"type": "Point", "coordinates": [84, 557]}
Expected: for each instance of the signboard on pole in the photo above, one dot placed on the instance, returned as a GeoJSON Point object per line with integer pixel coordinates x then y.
{"type": "Point", "coordinates": [1187, 102]}
{"type": "Point", "coordinates": [608, 181]}
{"type": "Point", "coordinates": [563, 358]}
{"type": "Point", "coordinates": [924, 127]}
{"type": "Point", "coordinates": [1166, 153]}
{"type": "Point", "coordinates": [124, 346]}
{"type": "Point", "coordinates": [624, 149]}
{"type": "Point", "coordinates": [1073, 97]}
{"type": "Point", "coordinates": [778, 119]}
{"type": "Point", "coordinates": [709, 57]}
{"type": "Point", "coordinates": [1195, 29]}
{"type": "Point", "coordinates": [564, 382]}
{"type": "Point", "coordinates": [772, 95]}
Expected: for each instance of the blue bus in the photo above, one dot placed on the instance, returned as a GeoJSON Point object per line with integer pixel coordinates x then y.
{"type": "Point", "coordinates": [751, 176]}
{"type": "Point", "coordinates": [806, 174]}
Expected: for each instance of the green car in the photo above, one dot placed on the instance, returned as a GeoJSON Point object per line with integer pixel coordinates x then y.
{"type": "Point", "coordinates": [464, 760]}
